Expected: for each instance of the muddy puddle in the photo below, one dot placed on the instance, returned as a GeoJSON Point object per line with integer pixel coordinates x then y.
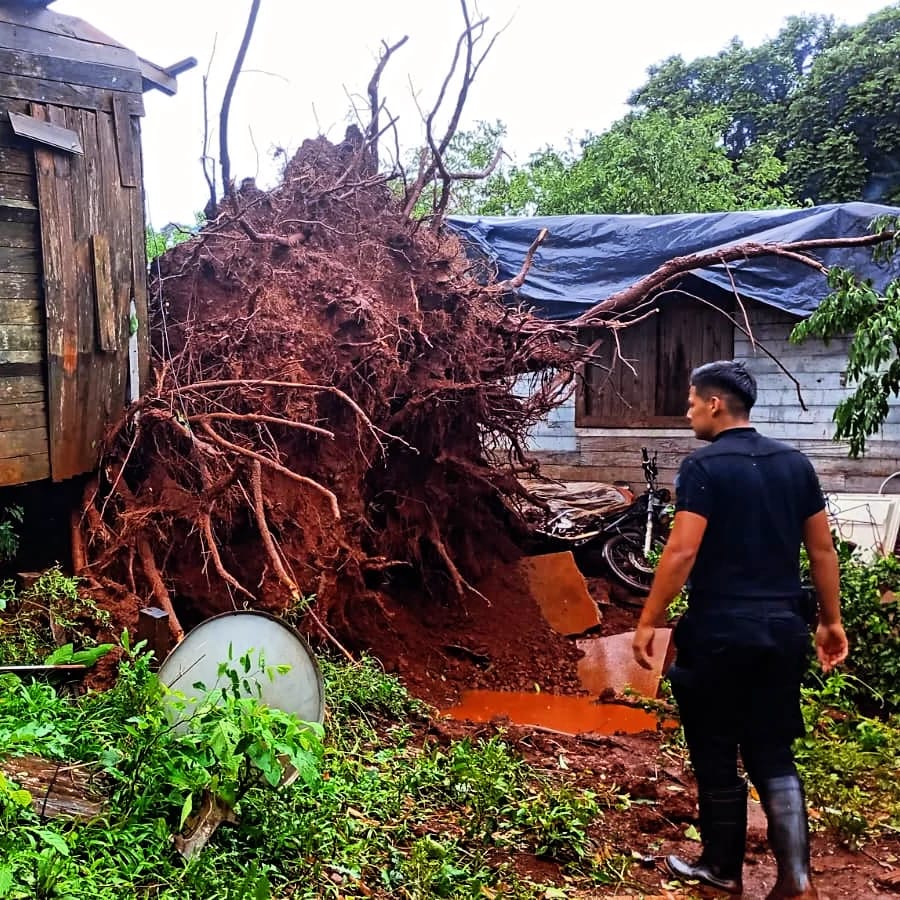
{"type": "Point", "coordinates": [568, 715]}
{"type": "Point", "coordinates": [607, 668]}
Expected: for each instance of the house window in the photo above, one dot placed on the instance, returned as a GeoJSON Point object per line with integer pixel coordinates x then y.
{"type": "Point", "coordinates": [663, 350]}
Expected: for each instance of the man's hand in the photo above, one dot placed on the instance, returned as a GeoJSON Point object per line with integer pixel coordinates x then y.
{"type": "Point", "coordinates": [831, 646]}
{"type": "Point", "coordinates": [642, 645]}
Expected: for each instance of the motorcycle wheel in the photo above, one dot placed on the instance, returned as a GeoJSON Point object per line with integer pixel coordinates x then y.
{"type": "Point", "coordinates": [624, 556]}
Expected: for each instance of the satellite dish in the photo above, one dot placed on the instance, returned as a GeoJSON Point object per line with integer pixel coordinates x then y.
{"type": "Point", "coordinates": [230, 636]}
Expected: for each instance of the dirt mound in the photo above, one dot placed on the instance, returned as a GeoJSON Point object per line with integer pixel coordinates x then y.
{"type": "Point", "coordinates": [333, 414]}
{"type": "Point", "coordinates": [499, 641]}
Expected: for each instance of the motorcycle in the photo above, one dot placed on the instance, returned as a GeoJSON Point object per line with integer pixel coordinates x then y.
{"type": "Point", "coordinates": [624, 539]}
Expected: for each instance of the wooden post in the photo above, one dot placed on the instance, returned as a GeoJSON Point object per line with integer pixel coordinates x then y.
{"type": "Point", "coordinates": [153, 627]}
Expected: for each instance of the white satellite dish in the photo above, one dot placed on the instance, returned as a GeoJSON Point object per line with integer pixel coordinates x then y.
{"type": "Point", "coordinates": [228, 637]}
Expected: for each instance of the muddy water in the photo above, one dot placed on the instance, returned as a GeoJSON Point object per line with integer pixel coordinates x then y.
{"type": "Point", "coordinates": [569, 715]}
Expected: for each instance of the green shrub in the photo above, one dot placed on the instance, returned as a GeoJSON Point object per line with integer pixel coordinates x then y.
{"type": "Point", "coordinates": [873, 627]}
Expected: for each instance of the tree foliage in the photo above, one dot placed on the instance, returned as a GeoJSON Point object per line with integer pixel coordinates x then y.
{"type": "Point", "coordinates": [854, 307]}
{"type": "Point", "coordinates": [749, 86]}
{"type": "Point", "coordinates": [651, 163]}
{"type": "Point", "coordinates": [824, 97]}
{"type": "Point", "coordinates": [841, 133]}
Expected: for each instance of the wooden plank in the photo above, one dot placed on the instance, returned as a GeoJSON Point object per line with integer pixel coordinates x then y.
{"type": "Point", "coordinates": [111, 390]}
{"type": "Point", "coordinates": [17, 313]}
{"type": "Point", "coordinates": [15, 186]}
{"type": "Point", "coordinates": [103, 295]}
{"type": "Point", "coordinates": [21, 337]}
{"type": "Point", "coordinates": [128, 169]}
{"type": "Point", "coordinates": [139, 262]}
{"type": "Point", "coordinates": [19, 234]}
{"type": "Point", "coordinates": [19, 260]}
{"type": "Point", "coordinates": [680, 329]}
{"type": "Point", "coordinates": [787, 353]}
{"type": "Point", "coordinates": [11, 357]}
{"type": "Point", "coordinates": [55, 92]}
{"type": "Point", "coordinates": [82, 227]}
{"type": "Point", "coordinates": [20, 286]}
{"type": "Point", "coordinates": [45, 133]}
{"type": "Point", "coordinates": [771, 383]}
{"type": "Point", "coordinates": [58, 242]}
{"type": "Point", "coordinates": [24, 469]}
{"type": "Point", "coordinates": [19, 416]}
{"type": "Point", "coordinates": [65, 46]}
{"type": "Point", "coordinates": [56, 68]}
{"type": "Point", "coordinates": [34, 14]}
{"type": "Point", "coordinates": [13, 389]}
{"type": "Point", "coordinates": [24, 442]}
{"type": "Point", "coordinates": [14, 369]}
{"type": "Point", "coordinates": [16, 159]}
{"type": "Point", "coordinates": [18, 211]}
{"type": "Point", "coordinates": [97, 369]}
{"type": "Point", "coordinates": [155, 78]}
{"type": "Point", "coordinates": [803, 365]}
{"type": "Point", "coordinates": [118, 223]}
{"type": "Point", "coordinates": [57, 790]}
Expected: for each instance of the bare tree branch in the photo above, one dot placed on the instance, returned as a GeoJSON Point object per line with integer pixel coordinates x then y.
{"type": "Point", "coordinates": [224, 158]}
{"type": "Point", "coordinates": [373, 132]}
{"type": "Point", "coordinates": [512, 284]}
{"type": "Point", "coordinates": [433, 163]}
{"type": "Point", "coordinates": [209, 168]}
{"type": "Point", "coordinates": [484, 173]}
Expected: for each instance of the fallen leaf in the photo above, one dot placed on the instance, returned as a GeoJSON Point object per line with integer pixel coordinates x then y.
{"type": "Point", "coordinates": [691, 833]}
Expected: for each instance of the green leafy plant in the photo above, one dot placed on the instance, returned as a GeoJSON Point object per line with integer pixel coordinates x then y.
{"type": "Point", "coordinates": [870, 319]}
{"type": "Point", "coordinates": [384, 810]}
{"type": "Point", "coordinates": [67, 654]}
{"type": "Point", "coordinates": [10, 519]}
{"type": "Point", "coordinates": [53, 602]}
{"type": "Point", "coordinates": [871, 616]}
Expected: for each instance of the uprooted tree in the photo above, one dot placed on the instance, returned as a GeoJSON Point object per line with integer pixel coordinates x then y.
{"type": "Point", "coordinates": [334, 412]}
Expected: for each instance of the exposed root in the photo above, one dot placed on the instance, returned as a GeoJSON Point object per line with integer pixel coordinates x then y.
{"type": "Point", "coordinates": [151, 572]}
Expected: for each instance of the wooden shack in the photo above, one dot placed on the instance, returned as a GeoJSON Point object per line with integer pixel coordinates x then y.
{"type": "Point", "coordinates": [73, 291]}
{"type": "Point", "coordinates": [633, 392]}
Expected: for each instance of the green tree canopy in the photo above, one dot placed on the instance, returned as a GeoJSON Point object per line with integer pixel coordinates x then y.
{"type": "Point", "coordinates": [841, 135]}
{"type": "Point", "coordinates": [749, 86]}
{"type": "Point", "coordinates": [650, 163]}
{"type": "Point", "coordinates": [824, 97]}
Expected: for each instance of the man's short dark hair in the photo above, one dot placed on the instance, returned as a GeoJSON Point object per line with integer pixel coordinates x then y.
{"type": "Point", "coordinates": [731, 380]}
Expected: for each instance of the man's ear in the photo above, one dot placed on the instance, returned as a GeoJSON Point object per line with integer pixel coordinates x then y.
{"type": "Point", "coordinates": [717, 405]}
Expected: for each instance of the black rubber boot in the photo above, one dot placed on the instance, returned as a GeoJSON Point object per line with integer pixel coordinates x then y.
{"type": "Point", "coordinates": [723, 830]}
{"type": "Point", "coordinates": [785, 806]}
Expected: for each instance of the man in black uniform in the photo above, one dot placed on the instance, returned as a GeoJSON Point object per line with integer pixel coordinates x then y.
{"type": "Point", "coordinates": [744, 505]}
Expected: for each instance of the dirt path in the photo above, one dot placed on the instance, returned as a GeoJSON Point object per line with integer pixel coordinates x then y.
{"type": "Point", "coordinates": [662, 806]}
{"type": "Point", "coordinates": [519, 649]}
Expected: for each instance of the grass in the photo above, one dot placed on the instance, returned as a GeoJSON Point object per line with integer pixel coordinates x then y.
{"type": "Point", "coordinates": [849, 763]}
{"type": "Point", "coordinates": [382, 812]}
{"type": "Point", "coordinates": [26, 635]}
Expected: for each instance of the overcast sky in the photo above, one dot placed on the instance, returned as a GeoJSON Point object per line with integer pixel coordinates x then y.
{"type": "Point", "coordinates": [560, 69]}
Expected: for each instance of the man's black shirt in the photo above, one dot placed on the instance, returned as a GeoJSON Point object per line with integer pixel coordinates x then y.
{"type": "Point", "coordinates": [756, 494]}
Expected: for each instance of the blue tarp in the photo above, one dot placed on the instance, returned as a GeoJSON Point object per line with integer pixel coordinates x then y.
{"type": "Point", "coordinates": [585, 259]}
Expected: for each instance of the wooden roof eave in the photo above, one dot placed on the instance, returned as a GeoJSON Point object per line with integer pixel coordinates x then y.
{"type": "Point", "coordinates": [157, 78]}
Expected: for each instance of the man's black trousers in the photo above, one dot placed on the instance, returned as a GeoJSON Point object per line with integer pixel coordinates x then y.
{"type": "Point", "coordinates": [740, 694]}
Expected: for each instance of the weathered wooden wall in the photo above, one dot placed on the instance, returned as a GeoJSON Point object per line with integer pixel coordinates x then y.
{"type": "Point", "coordinates": [81, 218]}
{"type": "Point", "coordinates": [606, 454]}
{"type": "Point", "coordinates": [24, 451]}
